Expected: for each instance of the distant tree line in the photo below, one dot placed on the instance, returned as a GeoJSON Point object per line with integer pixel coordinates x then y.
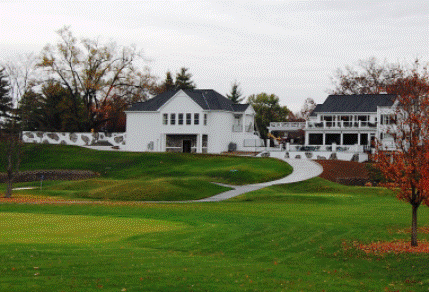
{"type": "Point", "coordinates": [80, 85]}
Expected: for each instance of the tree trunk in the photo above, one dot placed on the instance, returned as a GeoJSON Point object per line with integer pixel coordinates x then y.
{"type": "Point", "coordinates": [8, 189]}
{"type": "Point", "coordinates": [414, 226]}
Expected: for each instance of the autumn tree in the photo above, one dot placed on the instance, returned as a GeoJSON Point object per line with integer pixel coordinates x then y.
{"type": "Point", "coordinates": [370, 77]}
{"type": "Point", "coordinates": [183, 79]}
{"type": "Point", "coordinates": [235, 93]}
{"type": "Point", "coordinates": [268, 109]}
{"type": "Point", "coordinates": [93, 72]}
{"type": "Point", "coordinates": [407, 168]}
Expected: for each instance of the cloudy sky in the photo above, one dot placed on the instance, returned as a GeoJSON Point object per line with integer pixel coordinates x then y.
{"type": "Point", "coordinates": [289, 48]}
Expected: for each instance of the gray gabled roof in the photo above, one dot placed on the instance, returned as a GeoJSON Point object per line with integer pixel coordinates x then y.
{"type": "Point", "coordinates": [356, 103]}
{"type": "Point", "coordinates": [207, 99]}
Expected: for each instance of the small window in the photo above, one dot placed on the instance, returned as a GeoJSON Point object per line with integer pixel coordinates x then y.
{"type": "Point", "coordinates": [205, 119]}
{"type": "Point", "coordinates": [165, 119]}
{"type": "Point", "coordinates": [172, 119]}
{"type": "Point", "coordinates": [196, 119]}
{"type": "Point", "coordinates": [188, 119]}
{"type": "Point", "coordinates": [180, 121]}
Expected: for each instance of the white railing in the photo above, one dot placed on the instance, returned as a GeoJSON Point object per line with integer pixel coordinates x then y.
{"type": "Point", "coordinates": [340, 125]}
{"type": "Point", "coordinates": [286, 126]}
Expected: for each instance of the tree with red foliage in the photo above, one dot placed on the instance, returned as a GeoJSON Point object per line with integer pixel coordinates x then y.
{"type": "Point", "coordinates": [407, 168]}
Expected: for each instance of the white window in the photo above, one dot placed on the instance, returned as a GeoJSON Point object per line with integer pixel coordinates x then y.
{"type": "Point", "coordinates": [165, 119]}
{"type": "Point", "coordinates": [385, 120]}
{"type": "Point", "coordinates": [188, 119]}
{"type": "Point", "coordinates": [205, 119]}
{"type": "Point", "coordinates": [196, 119]}
{"type": "Point", "coordinates": [172, 119]}
{"type": "Point", "coordinates": [180, 119]}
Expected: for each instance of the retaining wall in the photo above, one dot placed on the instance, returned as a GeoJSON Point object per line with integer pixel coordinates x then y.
{"type": "Point", "coordinates": [77, 139]}
{"type": "Point", "coordinates": [55, 174]}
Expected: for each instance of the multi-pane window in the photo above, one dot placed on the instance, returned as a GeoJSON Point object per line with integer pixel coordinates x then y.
{"type": "Point", "coordinates": [188, 119]}
{"type": "Point", "coordinates": [386, 120]}
{"type": "Point", "coordinates": [196, 119]}
{"type": "Point", "coordinates": [165, 119]}
{"type": "Point", "coordinates": [180, 119]}
{"type": "Point", "coordinates": [205, 119]}
{"type": "Point", "coordinates": [172, 119]}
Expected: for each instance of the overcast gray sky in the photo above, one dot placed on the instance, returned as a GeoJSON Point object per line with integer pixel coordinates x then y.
{"type": "Point", "coordinates": [289, 48]}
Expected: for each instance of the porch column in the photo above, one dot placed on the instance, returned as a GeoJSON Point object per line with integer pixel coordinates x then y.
{"type": "Point", "coordinates": [244, 123]}
{"type": "Point", "coordinates": [199, 143]}
{"type": "Point", "coordinates": [163, 142]}
{"type": "Point", "coordinates": [324, 139]}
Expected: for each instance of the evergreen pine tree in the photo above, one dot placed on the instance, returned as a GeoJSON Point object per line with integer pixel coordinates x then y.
{"type": "Point", "coordinates": [183, 80]}
{"type": "Point", "coordinates": [168, 82]}
{"type": "Point", "coordinates": [235, 94]}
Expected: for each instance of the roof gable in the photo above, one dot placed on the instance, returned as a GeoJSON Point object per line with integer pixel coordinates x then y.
{"type": "Point", "coordinates": [207, 99]}
{"type": "Point", "coordinates": [362, 103]}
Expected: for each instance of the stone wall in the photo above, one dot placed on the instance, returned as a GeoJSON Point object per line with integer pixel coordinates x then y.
{"type": "Point", "coordinates": [77, 139]}
{"type": "Point", "coordinates": [36, 175]}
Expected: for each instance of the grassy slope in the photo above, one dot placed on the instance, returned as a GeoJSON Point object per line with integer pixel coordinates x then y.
{"type": "Point", "coordinates": [147, 176]}
{"type": "Point", "coordinates": [278, 238]}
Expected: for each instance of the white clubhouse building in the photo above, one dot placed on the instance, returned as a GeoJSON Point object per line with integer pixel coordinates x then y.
{"type": "Point", "coordinates": [193, 121]}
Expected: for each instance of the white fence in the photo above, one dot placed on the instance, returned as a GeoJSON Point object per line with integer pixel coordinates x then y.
{"type": "Point", "coordinates": [77, 139]}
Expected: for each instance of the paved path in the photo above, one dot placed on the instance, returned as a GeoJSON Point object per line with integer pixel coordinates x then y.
{"type": "Point", "coordinates": [303, 169]}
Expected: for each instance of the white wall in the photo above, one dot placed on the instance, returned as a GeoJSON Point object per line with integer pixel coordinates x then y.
{"type": "Point", "coordinates": [220, 131]}
{"type": "Point", "coordinates": [142, 129]}
{"type": "Point", "coordinates": [181, 103]}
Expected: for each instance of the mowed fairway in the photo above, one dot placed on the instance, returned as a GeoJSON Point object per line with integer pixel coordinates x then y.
{"type": "Point", "coordinates": [296, 237]}
{"type": "Point", "coordinates": [64, 229]}
{"type": "Point", "coordinates": [145, 176]}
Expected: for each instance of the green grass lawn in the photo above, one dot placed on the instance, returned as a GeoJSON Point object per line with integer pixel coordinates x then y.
{"type": "Point", "coordinates": [146, 176]}
{"type": "Point", "coordinates": [282, 238]}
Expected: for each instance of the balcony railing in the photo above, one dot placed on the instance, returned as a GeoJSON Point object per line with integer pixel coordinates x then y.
{"type": "Point", "coordinates": [291, 126]}
{"type": "Point", "coordinates": [341, 125]}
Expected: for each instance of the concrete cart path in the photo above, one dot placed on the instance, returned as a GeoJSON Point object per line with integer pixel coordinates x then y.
{"type": "Point", "coordinates": [303, 169]}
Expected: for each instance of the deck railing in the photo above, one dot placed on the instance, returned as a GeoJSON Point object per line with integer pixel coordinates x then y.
{"type": "Point", "coordinates": [341, 125]}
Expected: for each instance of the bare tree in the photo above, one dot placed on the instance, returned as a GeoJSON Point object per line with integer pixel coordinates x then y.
{"type": "Point", "coordinates": [307, 108]}
{"type": "Point", "coordinates": [21, 72]}
{"type": "Point", "coordinates": [93, 72]}
{"type": "Point", "coordinates": [10, 155]}
{"type": "Point", "coordinates": [370, 77]}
